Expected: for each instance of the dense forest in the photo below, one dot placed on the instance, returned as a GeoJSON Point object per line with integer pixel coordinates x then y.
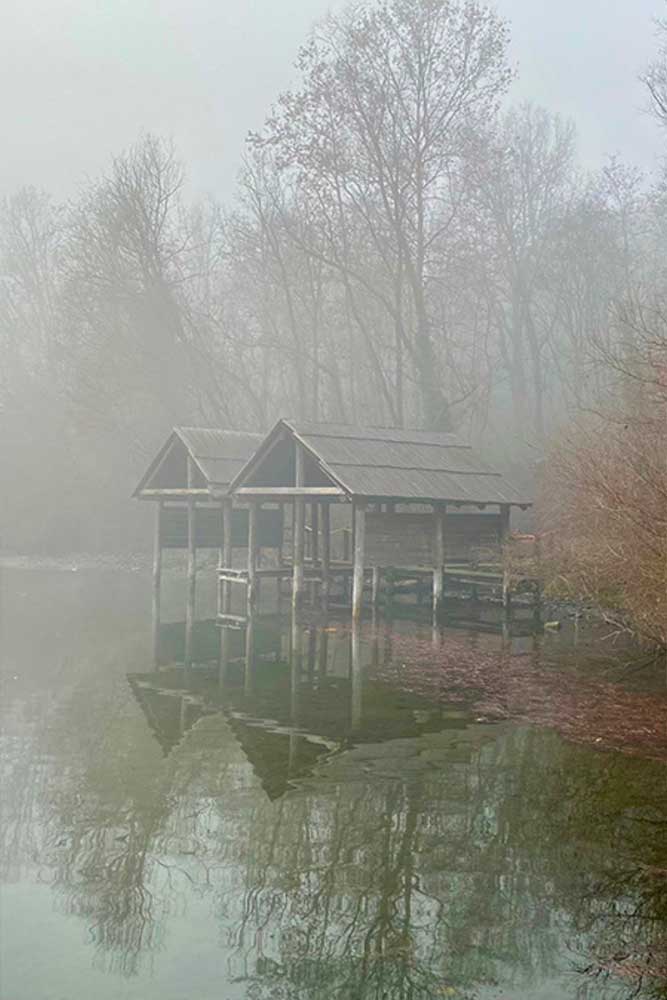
{"type": "Point", "coordinates": [404, 248]}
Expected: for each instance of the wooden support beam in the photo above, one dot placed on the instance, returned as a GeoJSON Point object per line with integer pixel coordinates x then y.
{"type": "Point", "coordinates": [157, 580]}
{"type": "Point", "coordinates": [249, 674]}
{"type": "Point", "coordinates": [225, 643]}
{"type": "Point", "coordinates": [314, 545]}
{"type": "Point", "coordinates": [287, 492]}
{"type": "Point", "coordinates": [440, 516]}
{"type": "Point", "coordinates": [359, 553]}
{"type": "Point", "coordinates": [253, 551]}
{"type": "Point", "coordinates": [299, 532]}
{"type": "Point", "coordinates": [375, 587]}
{"type": "Point", "coordinates": [537, 603]}
{"type": "Point", "coordinates": [504, 541]}
{"type": "Point", "coordinates": [356, 707]}
{"type": "Point", "coordinates": [225, 594]}
{"type": "Point", "coordinates": [192, 569]}
{"type": "Point", "coordinates": [326, 555]}
{"type": "Point", "coordinates": [315, 531]}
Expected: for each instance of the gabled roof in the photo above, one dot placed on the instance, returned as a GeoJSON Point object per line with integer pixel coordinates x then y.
{"type": "Point", "coordinates": [392, 464]}
{"type": "Point", "coordinates": [217, 454]}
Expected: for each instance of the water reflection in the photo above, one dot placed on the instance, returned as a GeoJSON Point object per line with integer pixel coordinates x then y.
{"type": "Point", "coordinates": [326, 833]}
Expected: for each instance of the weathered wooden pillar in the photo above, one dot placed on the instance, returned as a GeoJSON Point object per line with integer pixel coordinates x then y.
{"type": "Point", "coordinates": [225, 643]}
{"type": "Point", "coordinates": [296, 655]}
{"type": "Point", "coordinates": [356, 670]}
{"type": "Point", "coordinates": [157, 581]}
{"type": "Point", "coordinates": [227, 552]}
{"type": "Point", "coordinates": [537, 596]}
{"type": "Point", "coordinates": [315, 531]}
{"type": "Point", "coordinates": [299, 535]}
{"type": "Point", "coordinates": [249, 674]}
{"type": "Point", "coordinates": [323, 653]}
{"type": "Point", "coordinates": [253, 548]}
{"type": "Point", "coordinates": [192, 569]}
{"type": "Point", "coordinates": [439, 515]}
{"type": "Point", "coordinates": [504, 540]}
{"type": "Point", "coordinates": [375, 587]}
{"type": "Point", "coordinates": [314, 545]}
{"type": "Point", "coordinates": [359, 553]}
{"type": "Point", "coordinates": [326, 555]}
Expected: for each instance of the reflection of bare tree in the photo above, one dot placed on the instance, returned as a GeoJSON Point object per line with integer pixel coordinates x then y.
{"type": "Point", "coordinates": [398, 869]}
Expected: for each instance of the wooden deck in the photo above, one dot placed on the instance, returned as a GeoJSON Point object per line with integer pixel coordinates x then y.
{"type": "Point", "coordinates": [481, 581]}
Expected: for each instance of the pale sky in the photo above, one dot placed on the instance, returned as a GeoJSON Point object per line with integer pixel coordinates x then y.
{"type": "Point", "coordinates": [82, 79]}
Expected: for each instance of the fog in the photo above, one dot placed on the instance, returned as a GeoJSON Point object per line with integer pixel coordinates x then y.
{"type": "Point", "coordinates": [447, 216]}
{"type": "Point", "coordinates": [80, 81]}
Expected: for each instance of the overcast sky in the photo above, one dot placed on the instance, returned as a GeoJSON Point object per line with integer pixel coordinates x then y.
{"type": "Point", "coordinates": [81, 79]}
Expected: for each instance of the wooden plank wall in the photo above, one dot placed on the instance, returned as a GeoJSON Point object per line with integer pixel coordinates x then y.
{"type": "Point", "coordinates": [407, 539]}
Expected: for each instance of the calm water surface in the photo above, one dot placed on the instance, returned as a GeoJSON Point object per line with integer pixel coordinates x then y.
{"type": "Point", "coordinates": [302, 829]}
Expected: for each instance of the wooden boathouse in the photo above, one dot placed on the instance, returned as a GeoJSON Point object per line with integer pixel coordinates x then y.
{"type": "Point", "coordinates": [418, 502]}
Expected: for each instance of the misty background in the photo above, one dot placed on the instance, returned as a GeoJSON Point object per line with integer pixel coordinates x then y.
{"type": "Point", "coordinates": [80, 80]}
{"type": "Point", "coordinates": [473, 269]}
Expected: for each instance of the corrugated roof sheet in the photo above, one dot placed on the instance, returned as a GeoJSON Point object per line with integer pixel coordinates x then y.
{"type": "Point", "coordinates": [414, 465]}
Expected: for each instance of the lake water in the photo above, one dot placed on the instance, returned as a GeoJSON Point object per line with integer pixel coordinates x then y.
{"type": "Point", "coordinates": [395, 814]}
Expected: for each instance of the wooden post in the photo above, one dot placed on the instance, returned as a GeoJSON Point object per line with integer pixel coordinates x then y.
{"type": "Point", "coordinates": [225, 641]}
{"type": "Point", "coordinates": [227, 556]}
{"type": "Point", "coordinates": [439, 514]}
{"type": "Point", "coordinates": [315, 531]}
{"type": "Point", "coordinates": [323, 653]}
{"type": "Point", "coordinates": [253, 513]}
{"type": "Point", "coordinates": [248, 678]}
{"type": "Point", "coordinates": [299, 533]}
{"type": "Point", "coordinates": [314, 545]}
{"type": "Point", "coordinates": [356, 707]}
{"type": "Point", "coordinates": [504, 539]}
{"type": "Point", "coordinates": [157, 581]}
{"type": "Point", "coordinates": [326, 555]}
{"type": "Point", "coordinates": [192, 569]}
{"type": "Point", "coordinates": [359, 550]}
{"type": "Point", "coordinates": [346, 545]}
{"type": "Point", "coordinates": [537, 604]}
{"type": "Point", "coordinates": [375, 588]}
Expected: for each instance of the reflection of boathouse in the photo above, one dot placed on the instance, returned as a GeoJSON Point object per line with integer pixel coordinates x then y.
{"type": "Point", "coordinates": [304, 697]}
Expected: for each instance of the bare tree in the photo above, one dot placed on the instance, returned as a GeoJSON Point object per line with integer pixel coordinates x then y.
{"type": "Point", "coordinates": [376, 137]}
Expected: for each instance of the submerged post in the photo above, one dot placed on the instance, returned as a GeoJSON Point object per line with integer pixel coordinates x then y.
{"type": "Point", "coordinates": [439, 514]}
{"type": "Point", "coordinates": [326, 555]}
{"type": "Point", "coordinates": [192, 569]}
{"type": "Point", "coordinates": [299, 533]}
{"type": "Point", "coordinates": [504, 539]}
{"type": "Point", "coordinates": [359, 553]}
{"type": "Point", "coordinates": [157, 579]}
{"type": "Point", "coordinates": [357, 673]}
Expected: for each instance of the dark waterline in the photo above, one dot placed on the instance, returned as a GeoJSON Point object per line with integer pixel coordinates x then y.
{"type": "Point", "coordinates": [311, 828]}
